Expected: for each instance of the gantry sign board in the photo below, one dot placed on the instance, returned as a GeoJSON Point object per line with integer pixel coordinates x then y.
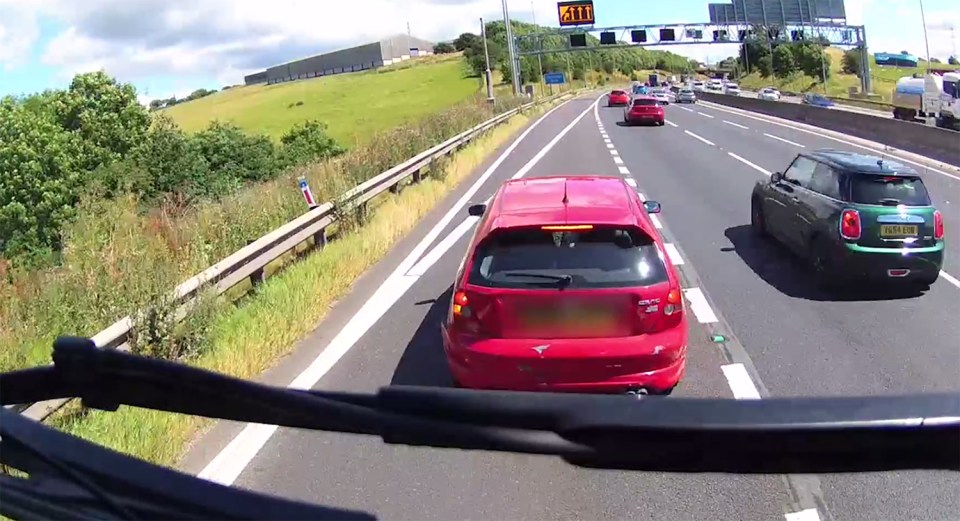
{"type": "Point", "coordinates": [579, 12]}
{"type": "Point", "coordinates": [777, 12]}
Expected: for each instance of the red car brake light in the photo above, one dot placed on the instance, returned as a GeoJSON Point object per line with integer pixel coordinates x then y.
{"type": "Point", "coordinates": [850, 227]}
{"type": "Point", "coordinates": [460, 306]}
{"type": "Point", "coordinates": [937, 225]}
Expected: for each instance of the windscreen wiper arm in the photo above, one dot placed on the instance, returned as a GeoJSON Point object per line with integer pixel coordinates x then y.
{"type": "Point", "coordinates": [780, 435]}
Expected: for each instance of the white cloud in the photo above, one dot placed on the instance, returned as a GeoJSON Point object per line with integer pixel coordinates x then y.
{"type": "Point", "coordinates": [18, 33]}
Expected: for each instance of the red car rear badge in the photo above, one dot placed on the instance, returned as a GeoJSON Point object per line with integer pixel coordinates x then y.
{"type": "Point", "coordinates": [540, 349]}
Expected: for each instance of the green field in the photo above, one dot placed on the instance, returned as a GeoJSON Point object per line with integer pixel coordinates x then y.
{"type": "Point", "coordinates": [354, 106]}
{"type": "Point", "coordinates": [884, 79]}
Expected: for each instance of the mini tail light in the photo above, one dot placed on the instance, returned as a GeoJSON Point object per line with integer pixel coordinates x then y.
{"type": "Point", "coordinates": [937, 225]}
{"type": "Point", "coordinates": [674, 302]}
{"type": "Point", "coordinates": [850, 225]}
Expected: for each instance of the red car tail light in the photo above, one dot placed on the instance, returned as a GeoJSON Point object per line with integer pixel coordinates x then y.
{"type": "Point", "coordinates": [850, 226]}
{"type": "Point", "coordinates": [460, 306]}
{"type": "Point", "coordinates": [937, 225]}
{"type": "Point", "coordinates": [674, 302]}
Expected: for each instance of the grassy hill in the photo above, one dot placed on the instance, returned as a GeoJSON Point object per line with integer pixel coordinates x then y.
{"type": "Point", "coordinates": [884, 78]}
{"type": "Point", "coordinates": [353, 105]}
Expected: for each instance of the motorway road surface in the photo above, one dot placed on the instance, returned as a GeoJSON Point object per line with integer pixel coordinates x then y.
{"type": "Point", "coordinates": [785, 338]}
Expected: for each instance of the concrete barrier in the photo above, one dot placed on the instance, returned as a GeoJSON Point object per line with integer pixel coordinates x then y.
{"type": "Point", "coordinates": [936, 143]}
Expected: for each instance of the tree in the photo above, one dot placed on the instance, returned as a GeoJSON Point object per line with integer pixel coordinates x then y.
{"type": "Point", "coordinates": [935, 60]}
{"type": "Point", "coordinates": [783, 61]}
{"type": "Point", "coordinates": [465, 41]}
{"type": "Point", "coordinates": [953, 60]}
{"type": "Point", "coordinates": [851, 63]}
{"type": "Point", "coordinates": [444, 48]}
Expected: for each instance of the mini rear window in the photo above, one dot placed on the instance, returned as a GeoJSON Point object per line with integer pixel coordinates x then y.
{"type": "Point", "coordinates": [888, 190]}
{"type": "Point", "coordinates": [643, 102]}
{"type": "Point", "coordinates": [536, 258]}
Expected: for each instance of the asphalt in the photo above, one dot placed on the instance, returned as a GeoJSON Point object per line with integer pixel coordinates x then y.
{"type": "Point", "coordinates": [793, 339]}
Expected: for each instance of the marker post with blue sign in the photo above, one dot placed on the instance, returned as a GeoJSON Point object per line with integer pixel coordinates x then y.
{"type": "Point", "coordinates": [307, 193]}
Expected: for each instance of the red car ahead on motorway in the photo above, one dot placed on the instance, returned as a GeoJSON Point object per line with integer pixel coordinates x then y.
{"type": "Point", "coordinates": [644, 109]}
{"type": "Point", "coordinates": [566, 286]}
{"type": "Point", "coordinates": [618, 98]}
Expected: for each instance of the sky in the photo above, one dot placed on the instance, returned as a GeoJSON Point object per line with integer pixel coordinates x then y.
{"type": "Point", "coordinates": [172, 47]}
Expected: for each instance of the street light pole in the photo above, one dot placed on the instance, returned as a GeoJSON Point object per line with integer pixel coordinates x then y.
{"type": "Point", "coordinates": [533, 12]}
{"type": "Point", "coordinates": [513, 59]}
{"type": "Point", "coordinates": [926, 41]}
{"type": "Point", "coordinates": [486, 55]}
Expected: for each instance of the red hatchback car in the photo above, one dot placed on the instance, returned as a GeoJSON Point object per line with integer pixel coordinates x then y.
{"type": "Point", "coordinates": [618, 98]}
{"type": "Point", "coordinates": [644, 109]}
{"type": "Point", "coordinates": [566, 286]}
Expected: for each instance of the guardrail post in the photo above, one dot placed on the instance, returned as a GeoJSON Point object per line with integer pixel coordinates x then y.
{"type": "Point", "coordinates": [418, 175]}
{"type": "Point", "coordinates": [320, 239]}
{"type": "Point", "coordinates": [256, 278]}
{"type": "Point", "coordinates": [395, 189]}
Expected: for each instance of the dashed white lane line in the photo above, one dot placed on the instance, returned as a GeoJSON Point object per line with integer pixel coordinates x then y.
{"type": "Point", "coordinates": [686, 109]}
{"type": "Point", "coordinates": [699, 305]}
{"type": "Point", "coordinates": [624, 170]}
{"type": "Point", "coordinates": [607, 141]}
{"type": "Point", "coordinates": [760, 169]}
{"type": "Point", "coordinates": [672, 124]}
{"type": "Point", "coordinates": [617, 160]}
{"type": "Point", "coordinates": [656, 221]}
{"type": "Point", "coordinates": [736, 125]}
{"type": "Point", "coordinates": [741, 384]}
{"type": "Point", "coordinates": [642, 197]}
{"type": "Point", "coordinates": [609, 145]}
{"type": "Point", "coordinates": [809, 514]}
{"type": "Point", "coordinates": [673, 253]}
{"type": "Point", "coordinates": [778, 138]}
{"type": "Point", "coordinates": [614, 153]}
{"type": "Point", "coordinates": [631, 182]}
{"type": "Point", "coordinates": [704, 114]}
{"type": "Point", "coordinates": [691, 134]}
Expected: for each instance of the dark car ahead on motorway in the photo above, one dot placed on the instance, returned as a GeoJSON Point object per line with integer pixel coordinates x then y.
{"type": "Point", "coordinates": [566, 286]}
{"type": "Point", "coordinates": [644, 109]}
{"type": "Point", "coordinates": [817, 100]}
{"type": "Point", "coordinates": [618, 98]}
{"type": "Point", "coordinates": [853, 217]}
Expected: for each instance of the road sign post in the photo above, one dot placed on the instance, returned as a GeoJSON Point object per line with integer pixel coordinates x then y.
{"type": "Point", "coordinates": [307, 193]}
{"type": "Point", "coordinates": [578, 12]}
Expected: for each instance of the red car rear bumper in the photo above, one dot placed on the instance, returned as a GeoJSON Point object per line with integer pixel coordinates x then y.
{"type": "Point", "coordinates": [654, 361]}
{"type": "Point", "coordinates": [658, 119]}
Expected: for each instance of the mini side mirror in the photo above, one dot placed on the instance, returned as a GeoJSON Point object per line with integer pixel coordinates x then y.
{"type": "Point", "coordinates": [476, 210]}
{"type": "Point", "coordinates": [651, 206]}
{"type": "Point", "coordinates": [776, 177]}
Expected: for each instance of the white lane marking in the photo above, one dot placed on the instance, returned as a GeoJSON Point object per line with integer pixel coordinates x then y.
{"type": "Point", "coordinates": [604, 134]}
{"type": "Point", "coordinates": [642, 197]}
{"type": "Point", "coordinates": [656, 221]}
{"type": "Point", "coordinates": [607, 141]}
{"type": "Point", "coordinates": [809, 514]}
{"type": "Point", "coordinates": [686, 109]}
{"type": "Point", "coordinates": [700, 138]}
{"type": "Point", "coordinates": [609, 145]}
{"type": "Point", "coordinates": [543, 151]}
{"type": "Point", "coordinates": [704, 114]}
{"type": "Point", "coordinates": [631, 182]}
{"type": "Point", "coordinates": [741, 384]}
{"type": "Point", "coordinates": [875, 150]}
{"type": "Point", "coordinates": [624, 170]}
{"type": "Point", "coordinates": [778, 138]}
{"type": "Point", "coordinates": [434, 255]}
{"type": "Point", "coordinates": [617, 160]}
{"type": "Point", "coordinates": [950, 278]}
{"type": "Point", "coordinates": [673, 253]}
{"type": "Point", "coordinates": [699, 305]}
{"type": "Point", "coordinates": [230, 462]}
{"type": "Point", "coordinates": [762, 170]}
{"type": "Point", "coordinates": [672, 124]}
{"type": "Point", "coordinates": [736, 125]}
{"type": "Point", "coordinates": [614, 153]}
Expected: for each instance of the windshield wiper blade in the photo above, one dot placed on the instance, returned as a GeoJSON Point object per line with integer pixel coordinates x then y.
{"type": "Point", "coordinates": [779, 435]}
{"type": "Point", "coordinates": [561, 280]}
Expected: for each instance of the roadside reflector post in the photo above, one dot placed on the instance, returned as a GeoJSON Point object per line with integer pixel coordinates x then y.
{"type": "Point", "coordinates": [307, 193]}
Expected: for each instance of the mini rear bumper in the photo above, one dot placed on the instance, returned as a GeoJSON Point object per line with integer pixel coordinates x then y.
{"type": "Point", "coordinates": [859, 262]}
{"type": "Point", "coordinates": [513, 364]}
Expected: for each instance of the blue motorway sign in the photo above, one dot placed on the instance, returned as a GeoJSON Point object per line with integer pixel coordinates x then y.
{"type": "Point", "coordinates": [554, 78]}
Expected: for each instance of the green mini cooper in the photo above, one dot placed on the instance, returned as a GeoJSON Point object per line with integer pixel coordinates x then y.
{"type": "Point", "coordinates": [853, 217]}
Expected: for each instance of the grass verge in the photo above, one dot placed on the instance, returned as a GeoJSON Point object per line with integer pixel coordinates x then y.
{"type": "Point", "coordinates": [247, 339]}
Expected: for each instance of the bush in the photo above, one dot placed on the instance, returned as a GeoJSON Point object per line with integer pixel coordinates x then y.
{"type": "Point", "coordinates": [233, 154]}
{"type": "Point", "coordinates": [852, 62]}
{"type": "Point", "coordinates": [306, 143]}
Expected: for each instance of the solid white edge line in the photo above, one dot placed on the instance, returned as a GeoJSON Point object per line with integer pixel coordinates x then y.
{"type": "Point", "coordinates": [434, 255]}
{"type": "Point", "coordinates": [672, 124]}
{"type": "Point", "coordinates": [624, 170]}
{"type": "Point", "coordinates": [699, 305]}
{"type": "Point", "coordinates": [950, 278]}
{"type": "Point", "coordinates": [230, 462]}
{"type": "Point", "coordinates": [874, 149]}
{"type": "Point", "coordinates": [740, 383]}
{"type": "Point", "coordinates": [809, 514]}
{"type": "Point", "coordinates": [736, 125]}
{"type": "Point", "coordinates": [704, 114]}
{"type": "Point", "coordinates": [656, 221]}
{"type": "Point", "coordinates": [675, 258]}
{"type": "Point", "coordinates": [760, 169]}
{"type": "Point", "coordinates": [778, 138]}
{"type": "Point", "coordinates": [617, 160]}
{"type": "Point", "coordinates": [631, 182]}
{"type": "Point", "coordinates": [700, 138]}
